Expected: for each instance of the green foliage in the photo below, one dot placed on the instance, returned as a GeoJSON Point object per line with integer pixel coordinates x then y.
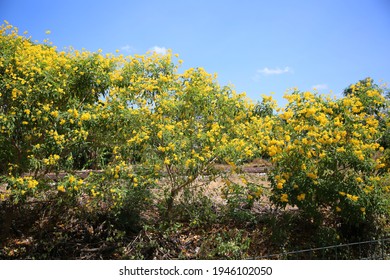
{"type": "Point", "coordinates": [263, 109]}
{"type": "Point", "coordinates": [229, 244]}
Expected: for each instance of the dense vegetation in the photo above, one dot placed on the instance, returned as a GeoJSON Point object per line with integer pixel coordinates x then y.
{"type": "Point", "coordinates": [105, 156]}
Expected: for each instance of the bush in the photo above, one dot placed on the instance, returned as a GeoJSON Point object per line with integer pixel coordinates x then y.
{"type": "Point", "coordinates": [327, 158]}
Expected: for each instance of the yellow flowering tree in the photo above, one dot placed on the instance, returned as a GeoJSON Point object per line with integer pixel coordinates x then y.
{"type": "Point", "coordinates": [44, 97]}
{"type": "Point", "coordinates": [365, 90]}
{"type": "Point", "coordinates": [328, 156]}
{"type": "Point", "coordinates": [171, 127]}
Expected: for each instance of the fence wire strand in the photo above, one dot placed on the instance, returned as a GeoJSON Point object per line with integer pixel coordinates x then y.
{"type": "Point", "coordinates": [378, 249]}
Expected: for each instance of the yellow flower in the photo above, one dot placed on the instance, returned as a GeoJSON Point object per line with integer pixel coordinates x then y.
{"type": "Point", "coordinates": [167, 161]}
{"type": "Point", "coordinates": [359, 154]}
{"type": "Point", "coordinates": [85, 116]}
{"type": "Point", "coordinates": [352, 197]}
{"type": "Point", "coordinates": [71, 179]}
{"type": "Point", "coordinates": [74, 112]}
{"type": "Point", "coordinates": [301, 197]}
{"type": "Point", "coordinates": [340, 149]}
{"type": "Point", "coordinates": [284, 197]}
{"type": "Point", "coordinates": [380, 165]}
{"type": "Point", "coordinates": [310, 111]}
{"type": "Point", "coordinates": [279, 185]}
{"type": "Point", "coordinates": [20, 181]}
{"type": "Point", "coordinates": [169, 127]}
{"type": "Point", "coordinates": [54, 114]}
{"type": "Point", "coordinates": [32, 183]}
{"type": "Point", "coordinates": [61, 188]}
{"type": "Point", "coordinates": [272, 150]}
{"type": "Point", "coordinates": [287, 115]}
{"type": "Point", "coordinates": [46, 107]}
{"type": "Point", "coordinates": [359, 180]}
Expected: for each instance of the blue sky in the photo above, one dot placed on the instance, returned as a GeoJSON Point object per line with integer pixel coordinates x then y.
{"type": "Point", "coordinates": [258, 46]}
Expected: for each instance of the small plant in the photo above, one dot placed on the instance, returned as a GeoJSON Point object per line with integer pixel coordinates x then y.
{"type": "Point", "coordinates": [231, 244]}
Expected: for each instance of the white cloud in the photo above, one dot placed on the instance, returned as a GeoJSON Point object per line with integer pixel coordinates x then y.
{"type": "Point", "coordinates": [128, 48]}
{"type": "Point", "coordinates": [320, 87]}
{"type": "Point", "coordinates": [159, 50]}
{"type": "Point", "coordinates": [274, 71]}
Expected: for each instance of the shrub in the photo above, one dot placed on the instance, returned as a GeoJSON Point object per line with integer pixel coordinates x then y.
{"type": "Point", "coordinates": [327, 157]}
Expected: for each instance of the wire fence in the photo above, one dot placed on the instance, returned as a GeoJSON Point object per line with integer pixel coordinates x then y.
{"type": "Point", "coordinates": [366, 250]}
